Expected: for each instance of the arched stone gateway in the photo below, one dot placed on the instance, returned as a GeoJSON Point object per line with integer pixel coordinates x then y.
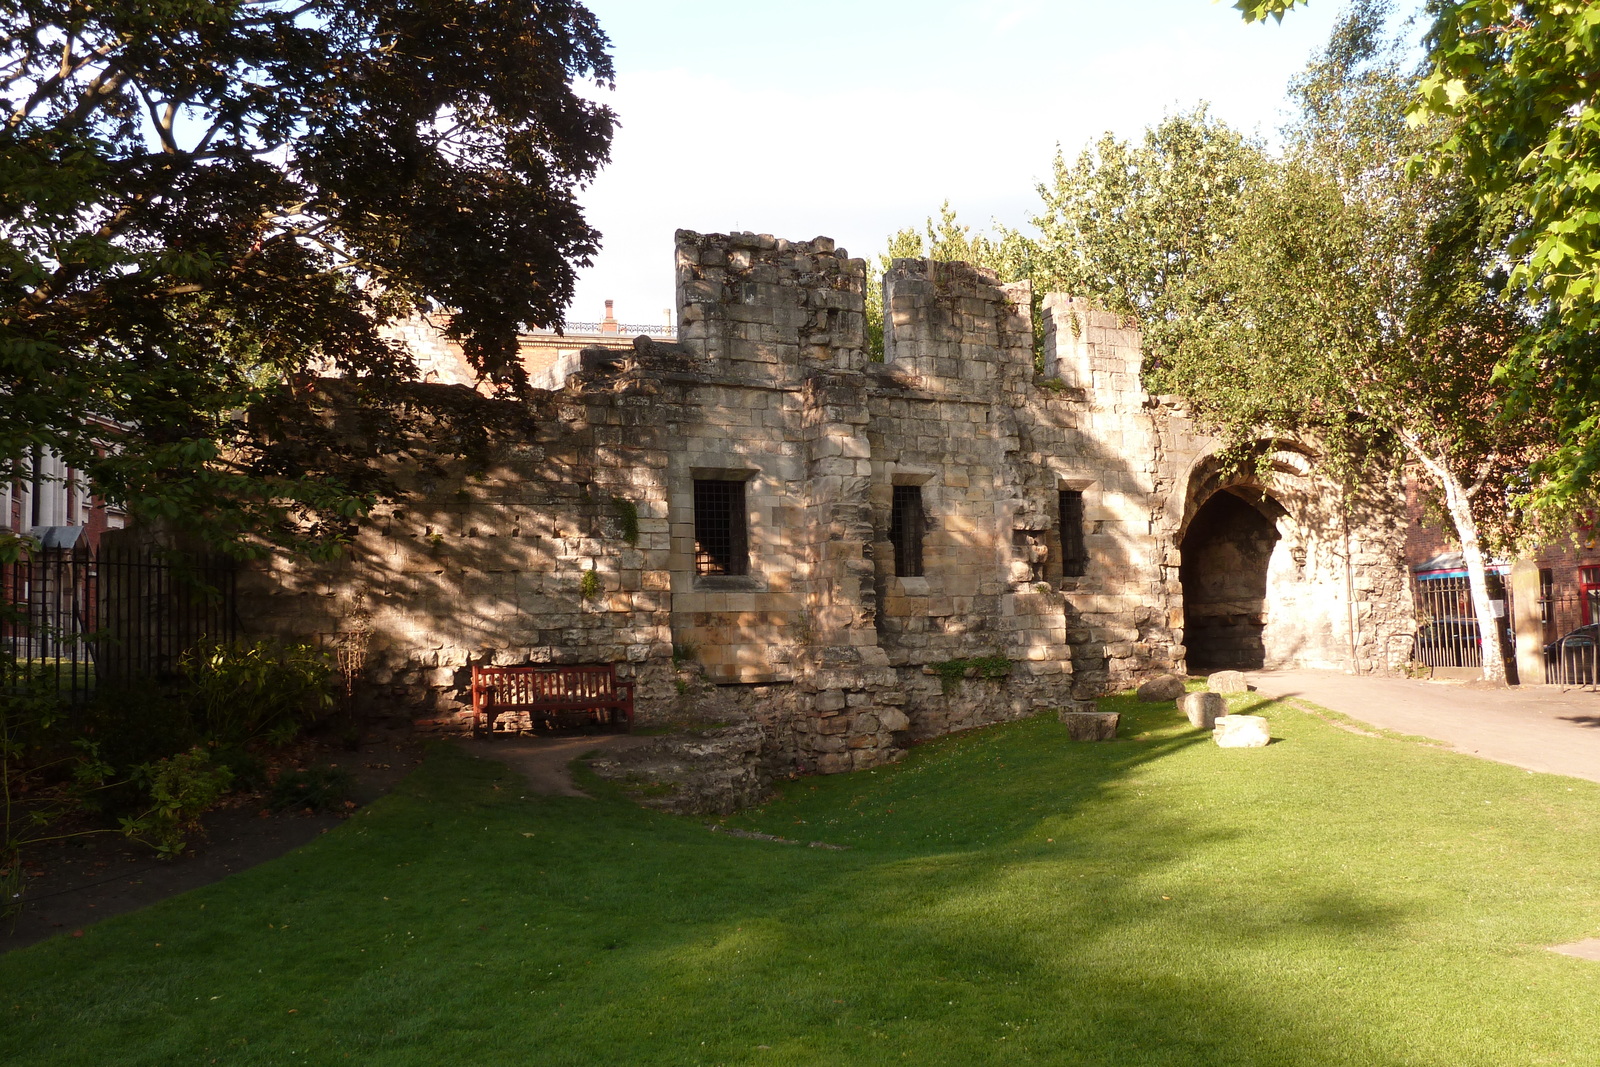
{"type": "Point", "coordinates": [1280, 567]}
{"type": "Point", "coordinates": [1226, 555]}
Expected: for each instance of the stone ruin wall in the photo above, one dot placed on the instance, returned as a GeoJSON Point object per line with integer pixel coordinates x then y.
{"type": "Point", "coordinates": [821, 643]}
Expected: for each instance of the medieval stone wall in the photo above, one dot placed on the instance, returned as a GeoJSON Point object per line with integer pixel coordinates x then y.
{"type": "Point", "coordinates": [579, 543]}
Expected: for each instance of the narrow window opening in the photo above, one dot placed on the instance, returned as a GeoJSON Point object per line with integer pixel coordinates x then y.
{"type": "Point", "coordinates": [721, 543]}
{"type": "Point", "coordinates": [1074, 550]}
{"type": "Point", "coordinates": [906, 526]}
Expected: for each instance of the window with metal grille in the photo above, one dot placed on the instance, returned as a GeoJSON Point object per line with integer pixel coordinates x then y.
{"type": "Point", "coordinates": [1074, 549]}
{"type": "Point", "coordinates": [906, 526]}
{"type": "Point", "coordinates": [721, 545]}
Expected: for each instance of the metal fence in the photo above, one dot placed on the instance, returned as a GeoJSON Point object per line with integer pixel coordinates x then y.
{"type": "Point", "coordinates": [1447, 626]}
{"type": "Point", "coordinates": [1569, 638]}
{"type": "Point", "coordinates": [75, 619]}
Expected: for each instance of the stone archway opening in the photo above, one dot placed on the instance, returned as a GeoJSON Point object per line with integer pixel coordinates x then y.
{"type": "Point", "coordinates": [1226, 552]}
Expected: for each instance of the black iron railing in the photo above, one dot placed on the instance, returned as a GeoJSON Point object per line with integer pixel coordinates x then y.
{"type": "Point", "coordinates": [75, 619]}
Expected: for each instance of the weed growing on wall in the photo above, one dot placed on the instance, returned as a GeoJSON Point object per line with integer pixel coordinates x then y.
{"type": "Point", "coordinates": [952, 671]}
{"type": "Point", "coordinates": [627, 518]}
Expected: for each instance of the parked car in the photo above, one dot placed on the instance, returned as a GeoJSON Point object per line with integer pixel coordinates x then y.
{"type": "Point", "coordinates": [1570, 658]}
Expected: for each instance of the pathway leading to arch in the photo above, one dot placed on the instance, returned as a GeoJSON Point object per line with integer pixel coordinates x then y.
{"type": "Point", "coordinates": [1538, 728]}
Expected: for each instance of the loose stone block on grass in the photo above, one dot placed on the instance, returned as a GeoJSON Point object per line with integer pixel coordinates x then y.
{"type": "Point", "coordinates": [1227, 682]}
{"type": "Point", "coordinates": [1202, 709]}
{"type": "Point", "coordinates": [1090, 725]}
{"type": "Point", "coordinates": [1164, 687]}
{"type": "Point", "coordinates": [1241, 731]}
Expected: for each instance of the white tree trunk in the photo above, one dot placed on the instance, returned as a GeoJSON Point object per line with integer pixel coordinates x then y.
{"type": "Point", "coordinates": [1459, 507]}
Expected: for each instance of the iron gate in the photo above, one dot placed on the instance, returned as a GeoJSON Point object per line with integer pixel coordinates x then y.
{"type": "Point", "coordinates": [74, 619]}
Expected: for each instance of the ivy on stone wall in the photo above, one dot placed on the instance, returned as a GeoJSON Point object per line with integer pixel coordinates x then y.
{"type": "Point", "coordinates": [952, 671]}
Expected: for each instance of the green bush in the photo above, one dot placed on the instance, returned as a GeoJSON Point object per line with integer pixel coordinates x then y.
{"type": "Point", "coordinates": [627, 519]}
{"type": "Point", "coordinates": [180, 789]}
{"type": "Point", "coordinates": [44, 773]}
{"type": "Point", "coordinates": [317, 788]}
{"type": "Point", "coordinates": [266, 689]}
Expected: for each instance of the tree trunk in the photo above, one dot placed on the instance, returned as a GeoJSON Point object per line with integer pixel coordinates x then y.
{"type": "Point", "coordinates": [1459, 506]}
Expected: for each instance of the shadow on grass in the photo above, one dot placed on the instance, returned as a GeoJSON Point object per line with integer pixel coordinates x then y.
{"type": "Point", "coordinates": [1009, 897]}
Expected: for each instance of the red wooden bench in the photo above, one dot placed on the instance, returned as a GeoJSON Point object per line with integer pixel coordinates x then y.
{"type": "Point", "coordinates": [553, 696]}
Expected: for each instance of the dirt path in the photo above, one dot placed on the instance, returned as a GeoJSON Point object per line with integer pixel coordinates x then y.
{"type": "Point", "coordinates": [1538, 728]}
{"type": "Point", "coordinates": [543, 761]}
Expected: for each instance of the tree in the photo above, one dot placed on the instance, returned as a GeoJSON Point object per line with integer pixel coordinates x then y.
{"type": "Point", "coordinates": [1510, 96]}
{"type": "Point", "coordinates": [1361, 306]}
{"type": "Point", "coordinates": [1011, 257]}
{"type": "Point", "coordinates": [1128, 224]}
{"type": "Point", "coordinates": [1515, 85]}
{"type": "Point", "coordinates": [1123, 224]}
{"type": "Point", "coordinates": [208, 209]}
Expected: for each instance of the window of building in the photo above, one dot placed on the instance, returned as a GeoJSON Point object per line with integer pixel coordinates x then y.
{"type": "Point", "coordinates": [1547, 595]}
{"type": "Point", "coordinates": [906, 526]}
{"type": "Point", "coordinates": [1589, 593]}
{"type": "Point", "coordinates": [721, 542]}
{"type": "Point", "coordinates": [1074, 549]}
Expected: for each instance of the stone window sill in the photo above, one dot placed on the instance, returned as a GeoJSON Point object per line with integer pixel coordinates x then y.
{"type": "Point", "coordinates": [729, 583]}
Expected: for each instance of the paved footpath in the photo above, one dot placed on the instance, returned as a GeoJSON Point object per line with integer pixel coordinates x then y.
{"type": "Point", "coordinates": [1539, 728]}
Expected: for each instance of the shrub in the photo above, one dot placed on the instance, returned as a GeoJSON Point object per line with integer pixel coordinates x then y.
{"type": "Point", "coordinates": [141, 724]}
{"type": "Point", "coordinates": [317, 788]}
{"type": "Point", "coordinates": [180, 789]}
{"type": "Point", "coordinates": [262, 689]}
{"type": "Point", "coordinates": [248, 769]}
{"type": "Point", "coordinates": [45, 772]}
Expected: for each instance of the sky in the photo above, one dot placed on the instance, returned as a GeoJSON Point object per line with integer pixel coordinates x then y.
{"type": "Point", "coordinates": [853, 120]}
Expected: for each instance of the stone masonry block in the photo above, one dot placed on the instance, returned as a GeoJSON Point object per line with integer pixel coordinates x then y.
{"type": "Point", "coordinates": [1090, 725]}
{"type": "Point", "coordinates": [1241, 731]}
{"type": "Point", "coordinates": [1202, 709]}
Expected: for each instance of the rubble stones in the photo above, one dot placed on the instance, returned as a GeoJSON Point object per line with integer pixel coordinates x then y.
{"type": "Point", "coordinates": [1164, 687]}
{"type": "Point", "coordinates": [1227, 682]}
{"type": "Point", "coordinates": [1241, 731]}
{"type": "Point", "coordinates": [1090, 725]}
{"type": "Point", "coordinates": [1202, 709]}
{"type": "Point", "coordinates": [707, 772]}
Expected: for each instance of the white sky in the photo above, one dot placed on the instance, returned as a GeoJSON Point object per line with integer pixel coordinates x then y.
{"type": "Point", "coordinates": [855, 119]}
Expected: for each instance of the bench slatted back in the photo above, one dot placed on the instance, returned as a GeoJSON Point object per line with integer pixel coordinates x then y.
{"type": "Point", "coordinates": [580, 686]}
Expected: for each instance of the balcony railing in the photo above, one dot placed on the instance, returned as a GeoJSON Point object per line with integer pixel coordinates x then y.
{"type": "Point", "coordinates": [620, 329]}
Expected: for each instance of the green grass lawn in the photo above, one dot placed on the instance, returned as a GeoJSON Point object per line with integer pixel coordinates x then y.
{"type": "Point", "coordinates": [1007, 897]}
